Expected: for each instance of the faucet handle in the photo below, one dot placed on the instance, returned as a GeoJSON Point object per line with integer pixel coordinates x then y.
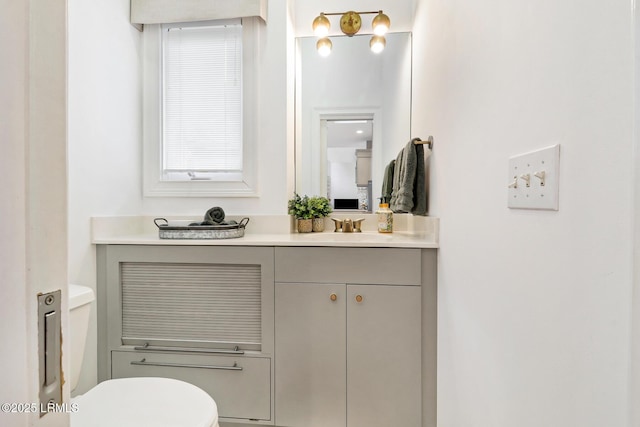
{"type": "Point", "coordinates": [338, 224]}
{"type": "Point", "coordinates": [356, 225]}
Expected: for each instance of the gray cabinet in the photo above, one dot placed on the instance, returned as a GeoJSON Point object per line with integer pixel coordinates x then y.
{"type": "Point", "coordinates": [285, 336]}
{"type": "Point", "coordinates": [348, 352]}
{"type": "Point", "coordinates": [363, 167]}
{"type": "Point", "coordinates": [311, 349]}
{"type": "Point", "coordinates": [202, 314]}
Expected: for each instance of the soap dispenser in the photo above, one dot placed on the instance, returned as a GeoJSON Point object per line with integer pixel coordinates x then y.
{"type": "Point", "coordinates": [385, 218]}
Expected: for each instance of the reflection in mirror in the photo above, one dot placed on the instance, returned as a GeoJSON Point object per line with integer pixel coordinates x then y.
{"type": "Point", "coordinates": [351, 84]}
{"type": "Point", "coordinates": [349, 163]}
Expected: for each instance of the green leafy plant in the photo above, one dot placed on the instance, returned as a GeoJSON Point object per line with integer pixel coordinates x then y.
{"type": "Point", "coordinates": [299, 207]}
{"type": "Point", "coordinates": [319, 207]}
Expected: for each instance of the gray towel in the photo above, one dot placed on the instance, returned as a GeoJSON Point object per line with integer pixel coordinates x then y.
{"type": "Point", "coordinates": [420, 188]}
{"type": "Point", "coordinates": [387, 183]}
{"type": "Point", "coordinates": [403, 178]}
{"type": "Point", "coordinates": [409, 181]}
{"type": "Point", "coordinates": [214, 216]}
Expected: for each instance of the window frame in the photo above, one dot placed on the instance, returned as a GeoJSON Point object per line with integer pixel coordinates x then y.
{"type": "Point", "coordinates": [153, 183]}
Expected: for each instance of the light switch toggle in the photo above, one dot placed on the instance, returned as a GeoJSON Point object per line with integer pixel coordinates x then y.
{"type": "Point", "coordinates": [542, 176]}
{"type": "Point", "coordinates": [514, 183]}
{"type": "Point", "coordinates": [526, 178]}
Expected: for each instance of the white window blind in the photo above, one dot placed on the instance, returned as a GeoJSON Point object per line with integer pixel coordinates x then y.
{"type": "Point", "coordinates": [202, 100]}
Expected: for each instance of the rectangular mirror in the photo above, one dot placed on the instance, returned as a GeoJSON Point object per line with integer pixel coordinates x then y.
{"type": "Point", "coordinates": [353, 116]}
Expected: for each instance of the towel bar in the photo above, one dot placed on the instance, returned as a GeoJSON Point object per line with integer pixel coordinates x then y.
{"type": "Point", "coordinates": [428, 142]}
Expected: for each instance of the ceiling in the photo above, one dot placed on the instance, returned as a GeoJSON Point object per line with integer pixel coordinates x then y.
{"type": "Point", "coordinates": [343, 133]}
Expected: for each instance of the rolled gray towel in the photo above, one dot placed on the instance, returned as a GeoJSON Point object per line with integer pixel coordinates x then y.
{"type": "Point", "coordinates": [214, 216]}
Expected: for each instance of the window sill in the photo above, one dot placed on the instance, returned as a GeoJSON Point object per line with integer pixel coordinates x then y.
{"type": "Point", "coordinates": [199, 189]}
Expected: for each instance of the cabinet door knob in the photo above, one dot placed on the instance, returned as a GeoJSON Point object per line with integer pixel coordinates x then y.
{"type": "Point", "coordinates": [358, 298]}
{"type": "Point", "coordinates": [333, 297]}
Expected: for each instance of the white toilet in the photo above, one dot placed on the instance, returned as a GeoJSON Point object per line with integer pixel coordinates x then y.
{"type": "Point", "coordinates": [131, 402]}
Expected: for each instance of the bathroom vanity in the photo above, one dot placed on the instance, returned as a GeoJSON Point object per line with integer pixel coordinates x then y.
{"type": "Point", "coordinates": [289, 330]}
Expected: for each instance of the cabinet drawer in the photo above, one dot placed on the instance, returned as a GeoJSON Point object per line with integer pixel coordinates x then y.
{"type": "Point", "coordinates": [382, 266]}
{"type": "Point", "coordinates": [240, 391]}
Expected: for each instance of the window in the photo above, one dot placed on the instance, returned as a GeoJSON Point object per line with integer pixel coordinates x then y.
{"type": "Point", "coordinates": [199, 109]}
{"type": "Point", "coordinates": [202, 102]}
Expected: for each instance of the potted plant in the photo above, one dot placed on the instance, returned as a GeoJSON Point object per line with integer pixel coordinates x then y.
{"type": "Point", "coordinates": [320, 207]}
{"type": "Point", "coordinates": [299, 208]}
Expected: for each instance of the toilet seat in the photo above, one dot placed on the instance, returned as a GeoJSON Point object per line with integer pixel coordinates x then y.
{"type": "Point", "coordinates": [142, 402]}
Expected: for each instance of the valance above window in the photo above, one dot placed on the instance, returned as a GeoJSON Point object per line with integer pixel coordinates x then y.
{"type": "Point", "coordinates": [168, 11]}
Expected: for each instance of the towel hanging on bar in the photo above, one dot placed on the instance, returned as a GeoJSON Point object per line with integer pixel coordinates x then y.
{"type": "Point", "coordinates": [409, 190]}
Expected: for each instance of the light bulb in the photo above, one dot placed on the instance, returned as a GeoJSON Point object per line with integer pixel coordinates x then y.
{"type": "Point", "coordinates": [377, 44]}
{"type": "Point", "coordinates": [324, 46]}
{"type": "Point", "coordinates": [321, 26]}
{"type": "Point", "coordinates": [380, 24]}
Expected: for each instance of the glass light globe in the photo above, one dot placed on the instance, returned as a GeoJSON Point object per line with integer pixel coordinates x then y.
{"type": "Point", "coordinates": [324, 46]}
{"type": "Point", "coordinates": [377, 44]}
{"type": "Point", "coordinates": [321, 26]}
{"type": "Point", "coordinates": [380, 24]}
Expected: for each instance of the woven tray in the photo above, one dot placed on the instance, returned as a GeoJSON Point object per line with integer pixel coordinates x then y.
{"type": "Point", "coordinates": [195, 232]}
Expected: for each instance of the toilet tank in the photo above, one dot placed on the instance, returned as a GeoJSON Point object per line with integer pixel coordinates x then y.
{"type": "Point", "coordinates": [80, 298]}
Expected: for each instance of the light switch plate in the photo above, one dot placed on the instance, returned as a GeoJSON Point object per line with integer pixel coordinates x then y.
{"type": "Point", "coordinates": [542, 169]}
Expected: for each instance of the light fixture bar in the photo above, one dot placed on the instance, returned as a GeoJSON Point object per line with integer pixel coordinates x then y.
{"type": "Point", "coordinates": [342, 13]}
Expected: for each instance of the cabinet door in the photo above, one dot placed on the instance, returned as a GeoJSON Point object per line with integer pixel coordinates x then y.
{"type": "Point", "coordinates": [310, 346]}
{"type": "Point", "coordinates": [383, 356]}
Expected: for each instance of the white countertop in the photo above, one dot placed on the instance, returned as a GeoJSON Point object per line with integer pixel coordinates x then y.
{"type": "Point", "coordinates": [413, 232]}
{"type": "Point", "coordinates": [365, 239]}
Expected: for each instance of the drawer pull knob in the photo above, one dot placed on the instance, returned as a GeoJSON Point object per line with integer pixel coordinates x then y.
{"type": "Point", "coordinates": [144, 362]}
{"type": "Point", "coordinates": [333, 297]}
{"type": "Point", "coordinates": [358, 298]}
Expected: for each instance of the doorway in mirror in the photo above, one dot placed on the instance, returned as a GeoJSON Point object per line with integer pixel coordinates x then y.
{"type": "Point", "coordinates": [349, 145]}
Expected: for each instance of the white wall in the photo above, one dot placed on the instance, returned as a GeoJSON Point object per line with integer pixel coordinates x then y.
{"type": "Point", "coordinates": [635, 301]}
{"type": "Point", "coordinates": [533, 307]}
{"type": "Point", "coordinates": [104, 135]}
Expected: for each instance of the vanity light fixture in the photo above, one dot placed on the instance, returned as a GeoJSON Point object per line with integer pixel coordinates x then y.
{"type": "Point", "coordinates": [350, 24]}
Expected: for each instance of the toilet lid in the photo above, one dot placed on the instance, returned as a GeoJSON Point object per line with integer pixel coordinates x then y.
{"type": "Point", "coordinates": [142, 402]}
